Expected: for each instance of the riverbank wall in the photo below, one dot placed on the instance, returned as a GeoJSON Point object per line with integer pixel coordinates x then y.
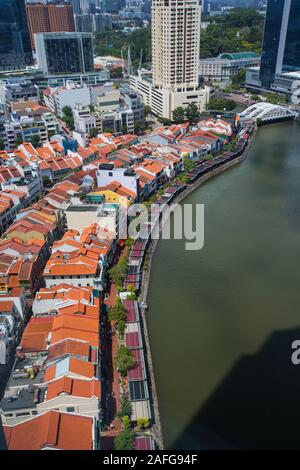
{"type": "Point", "coordinates": [157, 427]}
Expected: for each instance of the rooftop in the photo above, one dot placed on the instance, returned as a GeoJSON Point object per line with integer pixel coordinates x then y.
{"type": "Point", "coordinates": [51, 430]}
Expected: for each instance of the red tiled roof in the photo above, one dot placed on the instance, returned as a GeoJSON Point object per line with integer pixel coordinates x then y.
{"type": "Point", "coordinates": [52, 429]}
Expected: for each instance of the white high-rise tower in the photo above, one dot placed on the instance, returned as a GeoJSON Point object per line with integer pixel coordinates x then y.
{"type": "Point", "coordinates": [174, 80]}
{"type": "Point", "coordinates": [176, 43]}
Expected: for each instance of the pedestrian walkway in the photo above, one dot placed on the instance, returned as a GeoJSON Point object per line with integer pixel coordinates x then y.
{"type": "Point", "coordinates": [112, 386]}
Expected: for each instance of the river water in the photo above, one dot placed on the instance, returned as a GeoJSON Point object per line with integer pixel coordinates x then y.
{"type": "Point", "coordinates": [222, 320]}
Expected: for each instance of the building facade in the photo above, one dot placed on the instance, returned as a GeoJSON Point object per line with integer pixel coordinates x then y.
{"type": "Point", "coordinates": [96, 23]}
{"type": "Point", "coordinates": [15, 49]}
{"type": "Point", "coordinates": [224, 66]}
{"type": "Point", "coordinates": [281, 40]}
{"type": "Point", "coordinates": [65, 52]}
{"type": "Point", "coordinates": [175, 44]}
{"type": "Point", "coordinates": [48, 17]}
{"type": "Point", "coordinates": [175, 58]}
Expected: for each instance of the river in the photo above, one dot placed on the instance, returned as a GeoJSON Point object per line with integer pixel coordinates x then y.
{"type": "Point", "coordinates": [221, 320]}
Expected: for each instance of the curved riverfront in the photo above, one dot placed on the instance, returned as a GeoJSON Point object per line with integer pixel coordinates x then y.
{"type": "Point", "coordinates": [221, 321]}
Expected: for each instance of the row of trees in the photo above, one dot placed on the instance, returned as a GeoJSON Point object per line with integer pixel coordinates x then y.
{"type": "Point", "coordinates": [219, 104]}
{"type": "Point", "coordinates": [125, 439]}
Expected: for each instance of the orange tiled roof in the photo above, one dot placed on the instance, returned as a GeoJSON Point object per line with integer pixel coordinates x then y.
{"type": "Point", "coordinates": [76, 367]}
{"type": "Point", "coordinates": [73, 347]}
{"type": "Point", "coordinates": [52, 429]}
{"type": "Point", "coordinates": [36, 334]}
{"type": "Point", "coordinates": [75, 387]}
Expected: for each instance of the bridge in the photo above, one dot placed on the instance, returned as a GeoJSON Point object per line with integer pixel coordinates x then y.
{"type": "Point", "coordinates": [267, 112]}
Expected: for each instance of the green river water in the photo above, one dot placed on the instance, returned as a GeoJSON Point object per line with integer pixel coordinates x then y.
{"type": "Point", "coordinates": [221, 320]}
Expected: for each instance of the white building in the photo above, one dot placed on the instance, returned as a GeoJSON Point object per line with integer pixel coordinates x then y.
{"type": "Point", "coordinates": [224, 66]}
{"type": "Point", "coordinates": [69, 95]}
{"type": "Point", "coordinates": [287, 83]}
{"type": "Point", "coordinates": [175, 58]}
{"type": "Point", "coordinates": [107, 174]}
{"type": "Point", "coordinates": [84, 120]}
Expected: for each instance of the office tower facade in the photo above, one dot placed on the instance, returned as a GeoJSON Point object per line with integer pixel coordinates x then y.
{"type": "Point", "coordinates": [175, 43]}
{"type": "Point", "coordinates": [281, 40]}
{"type": "Point", "coordinates": [49, 17]}
{"type": "Point", "coordinates": [15, 49]}
{"type": "Point", "coordinates": [76, 6]}
{"type": "Point", "coordinates": [65, 52]}
{"type": "Point", "coordinates": [114, 6]}
{"type": "Point", "coordinates": [175, 59]}
{"type": "Point", "coordinates": [96, 23]}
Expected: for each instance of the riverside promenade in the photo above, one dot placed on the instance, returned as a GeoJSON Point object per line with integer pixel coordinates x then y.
{"type": "Point", "coordinates": [157, 427]}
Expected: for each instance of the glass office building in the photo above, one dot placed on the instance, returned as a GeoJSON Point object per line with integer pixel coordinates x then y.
{"type": "Point", "coordinates": [65, 52]}
{"type": "Point", "coordinates": [15, 48]}
{"type": "Point", "coordinates": [281, 41]}
{"type": "Point", "coordinates": [291, 60]}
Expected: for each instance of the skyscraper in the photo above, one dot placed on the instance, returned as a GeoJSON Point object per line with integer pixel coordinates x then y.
{"type": "Point", "coordinates": [97, 22]}
{"type": "Point", "coordinates": [15, 50]}
{"type": "Point", "coordinates": [175, 59]}
{"type": "Point", "coordinates": [175, 43]}
{"type": "Point", "coordinates": [65, 52]}
{"type": "Point", "coordinates": [49, 17]}
{"type": "Point", "coordinates": [281, 40]}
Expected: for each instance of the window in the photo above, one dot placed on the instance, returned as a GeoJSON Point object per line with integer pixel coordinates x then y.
{"type": "Point", "coordinates": [70, 409]}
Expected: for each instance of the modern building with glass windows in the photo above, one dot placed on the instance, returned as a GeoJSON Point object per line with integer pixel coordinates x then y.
{"type": "Point", "coordinates": [65, 52]}
{"type": "Point", "coordinates": [281, 41]}
{"type": "Point", "coordinates": [15, 48]}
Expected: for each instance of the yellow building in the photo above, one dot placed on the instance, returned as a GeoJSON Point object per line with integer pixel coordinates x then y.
{"type": "Point", "coordinates": [110, 197]}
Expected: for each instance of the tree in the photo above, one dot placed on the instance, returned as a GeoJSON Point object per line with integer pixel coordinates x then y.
{"type": "Point", "coordinates": [126, 422]}
{"type": "Point", "coordinates": [68, 116]}
{"type": "Point", "coordinates": [124, 360]}
{"type": "Point", "coordinates": [19, 140]}
{"type": "Point", "coordinates": [188, 164]}
{"type": "Point", "coordinates": [35, 140]}
{"type": "Point", "coordinates": [274, 98]}
{"type": "Point", "coordinates": [126, 407]}
{"type": "Point", "coordinates": [125, 440]}
{"type": "Point", "coordinates": [46, 181]}
{"type": "Point", "coordinates": [147, 110]}
{"type": "Point", "coordinates": [219, 104]}
{"type": "Point", "coordinates": [138, 128]}
{"type": "Point", "coordinates": [2, 145]}
{"type": "Point", "coordinates": [118, 272]}
{"type": "Point", "coordinates": [118, 314]}
{"type": "Point", "coordinates": [238, 80]}
{"type": "Point", "coordinates": [240, 30]}
{"type": "Point", "coordinates": [67, 111]}
{"type": "Point", "coordinates": [143, 423]}
{"type": "Point", "coordinates": [108, 130]}
{"type": "Point", "coordinates": [192, 112]}
{"type": "Point", "coordinates": [93, 132]}
{"type": "Point", "coordinates": [116, 72]}
{"type": "Point", "coordinates": [179, 115]}
{"type": "Point", "coordinates": [129, 242]}
{"type": "Point", "coordinates": [165, 121]}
